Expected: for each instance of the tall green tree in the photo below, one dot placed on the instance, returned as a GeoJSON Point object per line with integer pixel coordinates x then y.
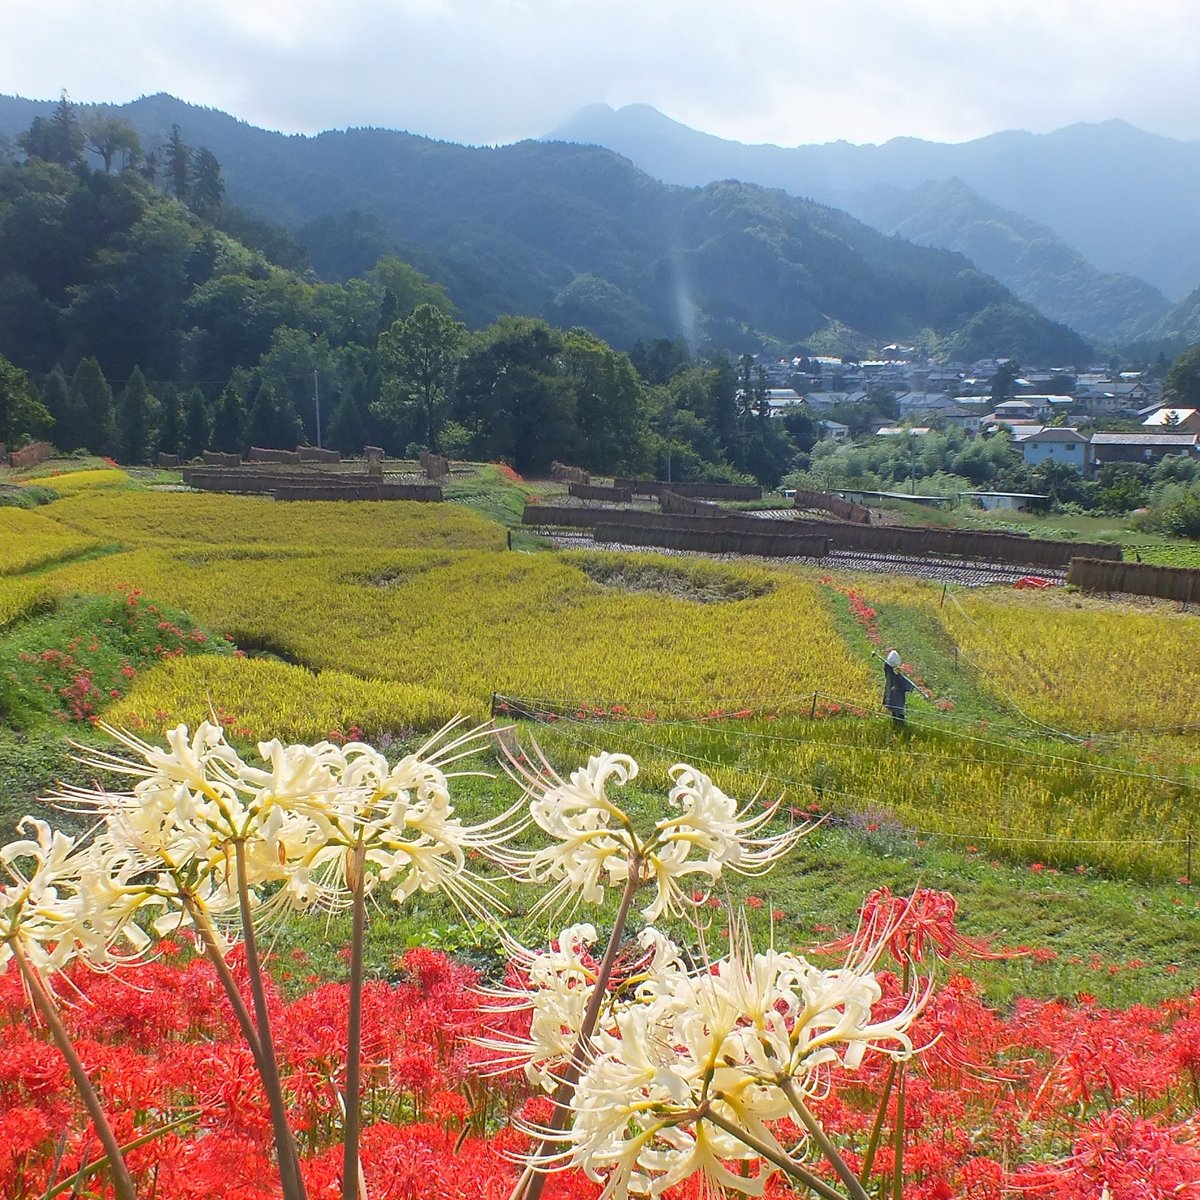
{"type": "Point", "coordinates": [207, 186]}
{"type": "Point", "coordinates": [135, 420]}
{"type": "Point", "coordinates": [177, 164]}
{"type": "Point", "coordinates": [512, 397]}
{"type": "Point", "coordinates": [400, 287]}
{"type": "Point", "coordinates": [272, 422]}
{"type": "Point", "coordinates": [229, 419]}
{"type": "Point", "coordinates": [196, 424]}
{"type": "Point", "coordinates": [90, 408]}
{"type": "Point", "coordinates": [110, 137]}
{"type": "Point", "coordinates": [1182, 383]}
{"type": "Point", "coordinates": [419, 357]}
{"type": "Point", "coordinates": [348, 425]}
{"type": "Point", "coordinates": [169, 434]}
{"type": "Point", "coordinates": [58, 138]}
{"type": "Point", "coordinates": [288, 366]}
{"type": "Point", "coordinates": [610, 404]}
{"type": "Point", "coordinates": [1004, 380]}
{"type": "Point", "coordinates": [22, 414]}
{"type": "Point", "coordinates": [56, 397]}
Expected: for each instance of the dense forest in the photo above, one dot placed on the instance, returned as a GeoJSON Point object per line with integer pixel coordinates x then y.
{"type": "Point", "coordinates": [132, 320]}
{"type": "Point", "coordinates": [578, 235]}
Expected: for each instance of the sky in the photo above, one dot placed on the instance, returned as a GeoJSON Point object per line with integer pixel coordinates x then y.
{"type": "Point", "coordinates": [488, 71]}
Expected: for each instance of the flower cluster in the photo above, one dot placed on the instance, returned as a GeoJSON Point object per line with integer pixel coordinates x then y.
{"type": "Point", "coordinates": [595, 843]}
{"type": "Point", "coordinates": [689, 1069]}
{"type": "Point", "coordinates": [199, 816]}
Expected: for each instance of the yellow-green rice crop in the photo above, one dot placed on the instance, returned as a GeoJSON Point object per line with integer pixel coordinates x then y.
{"type": "Point", "coordinates": [1083, 665]}
{"type": "Point", "coordinates": [69, 483]}
{"type": "Point", "coordinates": [181, 519]}
{"type": "Point", "coordinates": [21, 597]}
{"type": "Point", "coordinates": [470, 623]}
{"type": "Point", "coordinates": [28, 540]}
{"type": "Point", "coordinates": [261, 699]}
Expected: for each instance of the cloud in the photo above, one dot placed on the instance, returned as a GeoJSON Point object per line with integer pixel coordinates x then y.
{"type": "Point", "coordinates": [757, 70]}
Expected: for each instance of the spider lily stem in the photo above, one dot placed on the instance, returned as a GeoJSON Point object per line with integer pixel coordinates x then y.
{"type": "Point", "coordinates": [877, 1127]}
{"type": "Point", "coordinates": [122, 1182]}
{"type": "Point", "coordinates": [898, 1160]}
{"type": "Point", "coordinates": [532, 1182]}
{"type": "Point", "coordinates": [818, 1135]}
{"type": "Point", "coordinates": [289, 1169]}
{"type": "Point", "coordinates": [782, 1161]}
{"type": "Point", "coordinates": [352, 1100]}
{"type": "Point", "coordinates": [285, 1144]}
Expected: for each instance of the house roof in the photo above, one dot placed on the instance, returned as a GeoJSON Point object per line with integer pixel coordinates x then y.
{"type": "Point", "coordinates": [1051, 433]}
{"type": "Point", "coordinates": [1170, 416]}
{"type": "Point", "coordinates": [1013, 495]}
{"type": "Point", "coordinates": [1145, 439]}
{"type": "Point", "coordinates": [910, 398]}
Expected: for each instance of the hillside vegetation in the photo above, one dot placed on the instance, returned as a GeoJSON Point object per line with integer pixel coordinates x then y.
{"type": "Point", "coordinates": [579, 236]}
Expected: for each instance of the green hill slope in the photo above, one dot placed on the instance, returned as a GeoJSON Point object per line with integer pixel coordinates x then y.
{"type": "Point", "coordinates": [578, 234]}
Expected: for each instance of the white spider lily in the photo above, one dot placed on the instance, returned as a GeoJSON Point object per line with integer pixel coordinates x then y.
{"type": "Point", "coordinates": [554, 987]}
{"type": "Point", "coordinates": [295, 822]}
{"type": "Point", "coordinates": [40, 905]}
{"type": "Point", "coordinates": [743, 1040]}
{"type": "Point", "coordinates": [596, 844]}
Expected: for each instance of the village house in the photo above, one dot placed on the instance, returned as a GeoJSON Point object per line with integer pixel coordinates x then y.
{"type": "Point", "coordinates": [909, 404]}
{"type": "Point", "coordinates": [1149, 448]}
{"type": "Point", "coordinates": [1053, 443]}
{"type": "Point", "coordinates": [1173, 420]}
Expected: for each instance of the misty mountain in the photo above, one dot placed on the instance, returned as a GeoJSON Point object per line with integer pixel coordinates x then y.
{"type": "Point", "coordinates": [1181, 326]}
{"type": "Point", "coordinates": [581, 236]}
{"type": "Point", "coordinates": [1123, 198]}
{"type": "Point", "coordinates": [1024, 255]}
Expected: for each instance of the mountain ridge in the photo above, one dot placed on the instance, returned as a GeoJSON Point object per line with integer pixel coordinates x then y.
{"type": "Point", "coordinates": [580, 235]}
{"type": "Point", "coordinates": [1115, 193]}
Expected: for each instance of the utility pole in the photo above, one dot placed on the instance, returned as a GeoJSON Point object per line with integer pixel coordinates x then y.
{"type": "Point", "coordinates": [317, 403]}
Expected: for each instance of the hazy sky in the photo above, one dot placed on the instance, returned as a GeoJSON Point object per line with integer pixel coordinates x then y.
{"type": "Point", "coordinates": [785, 71]}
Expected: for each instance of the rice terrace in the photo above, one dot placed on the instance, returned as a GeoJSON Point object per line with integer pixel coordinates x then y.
{"type": "Point", "coordinates": [671, 791]}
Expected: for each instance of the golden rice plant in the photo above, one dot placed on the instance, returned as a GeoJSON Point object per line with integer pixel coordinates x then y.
{"type": "Point", "coordinates": [21, 598]}
{"type": "Point", "coordinates": [1083, 665]}
{"type": "Point", "coordinates": [29, 540]}
{"type": "Point", "coordinates": [257, 698]}
{"type": "Point", "coordinates": [470, 623]}
{"type": "Point", "coordinates": [183, 519]}
{"type": "Point", "coordinates": [70, 483]}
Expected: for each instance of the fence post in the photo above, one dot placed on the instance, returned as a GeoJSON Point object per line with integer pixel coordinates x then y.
{"type": "Point", "coordinates": [942, 602]}
{"type": "Point", "coordinates": [813, 712]}
{"type": "Point", "coordinates": [493, 706]}
{"type": "Point", "coordinates": [1188, 876]}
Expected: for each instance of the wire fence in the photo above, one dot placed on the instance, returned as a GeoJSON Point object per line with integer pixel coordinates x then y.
{"type": "Point", "coordinates": [732, 744]}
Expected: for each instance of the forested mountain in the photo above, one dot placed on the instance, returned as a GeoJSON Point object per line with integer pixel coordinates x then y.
{"type": "Point", "coordinates": [132, 322]}
{"type": "Point", "coordinates": [1181, 326]}
{"type": "Point", "coordinates": [1123, 198]}
{"type": "Point", "coordinates": [580, 236]}
{"type": "Point", "coordinates": [1024, 255]}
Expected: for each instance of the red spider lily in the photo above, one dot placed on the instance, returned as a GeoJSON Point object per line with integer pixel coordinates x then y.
{"type": "Point", "coordinates": [1126, 1158]}
{"type": "Point", "coordinates": [914, 927]}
